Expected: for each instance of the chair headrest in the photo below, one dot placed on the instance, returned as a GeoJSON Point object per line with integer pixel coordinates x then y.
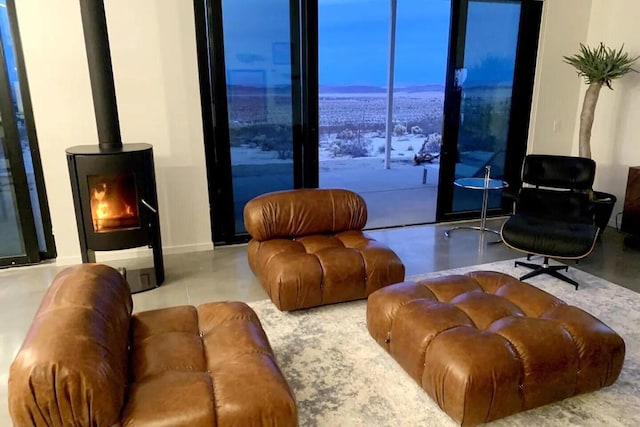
{"type": "Point", "coordinates": [576, 173]}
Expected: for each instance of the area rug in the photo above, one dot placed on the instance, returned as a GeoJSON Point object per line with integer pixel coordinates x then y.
{"type": "Point", "coordinates": [342, 377]}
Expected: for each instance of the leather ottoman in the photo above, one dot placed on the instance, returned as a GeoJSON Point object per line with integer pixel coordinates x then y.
{"type": "Point", "coordinates": [485, 345]}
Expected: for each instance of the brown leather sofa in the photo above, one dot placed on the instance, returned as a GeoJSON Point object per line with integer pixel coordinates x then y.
{"type": "Point", "coordinates": [308, 248]}
{"type": "Point", "coordinates": [485, 345]}
{"type": "Point", "coordinates": [86, 361]}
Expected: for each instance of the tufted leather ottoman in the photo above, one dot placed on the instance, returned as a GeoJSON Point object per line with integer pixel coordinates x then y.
{"type": "Point", "coordinates": [485, 345]}
{"type": "Point", "coordinates": [308, 248]}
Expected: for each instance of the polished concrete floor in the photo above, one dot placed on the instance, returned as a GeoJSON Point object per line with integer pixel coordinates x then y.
{"type": "Point", "coordinates": [223, 274]}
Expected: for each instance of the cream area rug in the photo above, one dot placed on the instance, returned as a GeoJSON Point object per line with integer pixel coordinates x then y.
{"type": "Point", "coordinates": [342, 377]}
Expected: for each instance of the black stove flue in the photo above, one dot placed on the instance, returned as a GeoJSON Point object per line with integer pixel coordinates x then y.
{"type": "Point", "coordinates": [96, 37]}
{"type": "Point", "coordinates": [113, 184]}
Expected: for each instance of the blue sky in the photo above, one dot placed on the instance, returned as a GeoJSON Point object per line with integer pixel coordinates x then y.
{"type": "Point", "coordinates": [354, 41]}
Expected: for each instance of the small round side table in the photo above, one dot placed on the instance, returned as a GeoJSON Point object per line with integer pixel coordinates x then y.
{"type": "Point", "coordinates": [485, 184]}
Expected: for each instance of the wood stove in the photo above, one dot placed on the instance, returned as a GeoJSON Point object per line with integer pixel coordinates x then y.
{"type": "Point", "coordinates": [115, 200]}
{"type": "Point", "coordinates": [113, 184]}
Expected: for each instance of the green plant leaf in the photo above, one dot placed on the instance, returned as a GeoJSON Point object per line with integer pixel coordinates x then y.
{"type": "Point", "coordinates": [601, 63]}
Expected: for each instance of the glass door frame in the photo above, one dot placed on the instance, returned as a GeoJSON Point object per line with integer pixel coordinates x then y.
{"type": "Point", "coordinates": [13, 150]}
{"type": "Point", "coordinates": [521, 98]}
{"type": "Point", "coordinates": [215, 114]}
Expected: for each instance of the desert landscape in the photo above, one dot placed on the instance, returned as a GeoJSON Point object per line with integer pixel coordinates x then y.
{"type": "Point", "coordinates": [352, 126]}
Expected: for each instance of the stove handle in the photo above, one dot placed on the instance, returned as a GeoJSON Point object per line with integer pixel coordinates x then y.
{"type": "Point", "coordinates": [148, 206]}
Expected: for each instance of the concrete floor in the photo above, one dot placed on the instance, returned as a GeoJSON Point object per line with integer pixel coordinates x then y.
{"type": "Point", "coordinates": [223, 274]}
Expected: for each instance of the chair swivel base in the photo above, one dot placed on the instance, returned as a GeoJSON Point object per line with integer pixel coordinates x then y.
{"type": "Point", "coordinates": [545, 268]}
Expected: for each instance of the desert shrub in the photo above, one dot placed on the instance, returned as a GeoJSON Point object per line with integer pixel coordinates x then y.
{"type": "Point", "coordinates": [346, 134]}
{"type": "Point", "coordinates": [353, 147]}
{"type": "Point", "coordinates": [258, 141]}
{"type": "Point", "coordinates": [399, 130]}
{"type": "Point", "coordinates": [432, 143]}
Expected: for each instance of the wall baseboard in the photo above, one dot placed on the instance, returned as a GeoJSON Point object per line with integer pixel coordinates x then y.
{"type": "Point", "coordinates": [134, 253]}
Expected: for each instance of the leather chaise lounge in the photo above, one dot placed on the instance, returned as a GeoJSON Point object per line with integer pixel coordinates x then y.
{"type": "Point", "coordinates": [308, 248]}
{"type": "Point", "coordinates": [86, 361]}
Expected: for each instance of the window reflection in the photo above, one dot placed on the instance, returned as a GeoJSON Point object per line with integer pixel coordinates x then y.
{"type": "Point", "coordinates": [258, 72]}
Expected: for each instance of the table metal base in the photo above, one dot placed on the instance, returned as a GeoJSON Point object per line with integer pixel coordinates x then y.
{"type": "Point", "coordinates": [485, 184]}
{"type": "Point", "coordinates": [469, 227]}
{"type": "Point", "coordinates": [481, 229]}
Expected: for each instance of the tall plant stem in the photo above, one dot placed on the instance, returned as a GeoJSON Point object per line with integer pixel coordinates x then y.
{"type": "Point", "coordinates": [586, 118]}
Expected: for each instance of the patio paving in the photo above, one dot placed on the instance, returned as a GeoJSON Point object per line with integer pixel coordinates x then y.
{"type": "Point", "coordinates": [394, 196]}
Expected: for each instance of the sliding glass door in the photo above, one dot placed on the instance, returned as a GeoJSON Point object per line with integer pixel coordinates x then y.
{"type": "Point", "coordinates": [250, 67]}
{"type": "Point", "coordinates": [25, 227]}
{"type": "Point", "coordinates": [275, 117]}
{"type": "Point", "coordinates": [257, 58]}
{"type": "Point", "coordinates": [488, 98]}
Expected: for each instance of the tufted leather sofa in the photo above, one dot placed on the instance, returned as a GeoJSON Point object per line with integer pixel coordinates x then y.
{"type": "Point", "coordinates": [308, 248]}
{"type": "Point", "coordinates": [485, 345]}
{"type": "Point", "coordinates": [86, 361]}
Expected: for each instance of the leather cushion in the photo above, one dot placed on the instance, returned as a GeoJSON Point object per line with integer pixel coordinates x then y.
{"type": "Point", "coordinates": [322, 269]}
{"type": "Point", "coordinates": [205, 366]}
{"type": "Point", "coordinates": [72, 367]}
{"type": "Point", "coordinates": [547, 170]}
{"type": "Point", "coordinates": [303, 212]}
{"type": "Point", "coordinates": [549, 237]}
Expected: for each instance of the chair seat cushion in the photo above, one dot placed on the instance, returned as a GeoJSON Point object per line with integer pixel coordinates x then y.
{"type": "Point", "coordinates": [208, 365]}
{"type": "Point", "coordinates": [549, 237]}
{"type": "Point", "coordinates": [320, 269]}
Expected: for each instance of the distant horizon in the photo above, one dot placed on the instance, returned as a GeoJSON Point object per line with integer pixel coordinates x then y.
{"type": "Point", "coordinates": [375, 88]}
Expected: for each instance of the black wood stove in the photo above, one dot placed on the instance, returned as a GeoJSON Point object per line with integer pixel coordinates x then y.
{"type": "Point", "coordinates": [113, 185]}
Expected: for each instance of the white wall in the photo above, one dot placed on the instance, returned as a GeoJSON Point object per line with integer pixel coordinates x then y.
{"type": "Point", "coordinates": [153, 50]}
{"type": "Point", "coordinates": [557, 87]}
{"type": "Point", "coordinates": [559, 92]}
{"type": "Point", "coordinates": [155, 68]}
{"type": "Point", "coordinates": [615, 137]}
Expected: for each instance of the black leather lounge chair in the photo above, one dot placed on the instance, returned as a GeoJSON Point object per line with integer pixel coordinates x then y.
{"type": "Point", "coordinates": [553, 215]}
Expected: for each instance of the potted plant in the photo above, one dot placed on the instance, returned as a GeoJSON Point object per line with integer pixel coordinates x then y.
{"type": "Point", "coordinates": [599, 66]}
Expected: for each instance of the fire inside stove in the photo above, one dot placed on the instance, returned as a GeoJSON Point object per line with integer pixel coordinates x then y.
{"type": "Point", "coordinates": [114, 202]}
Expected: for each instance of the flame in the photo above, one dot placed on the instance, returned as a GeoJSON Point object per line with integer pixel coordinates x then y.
{"type": "Point", "coordinates": [101, 209]}
{"type": "Point", "coordinates": [106, 207]}
{"type": "Point", "coordinates": [99, 195]}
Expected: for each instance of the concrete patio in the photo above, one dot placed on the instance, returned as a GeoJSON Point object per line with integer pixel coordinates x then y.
{"type": "Point", "coordinates": [394, 196]}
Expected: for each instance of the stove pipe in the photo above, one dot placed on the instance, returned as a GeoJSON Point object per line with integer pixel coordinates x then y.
{"type": "Point", "coordinates": [94, 25]}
